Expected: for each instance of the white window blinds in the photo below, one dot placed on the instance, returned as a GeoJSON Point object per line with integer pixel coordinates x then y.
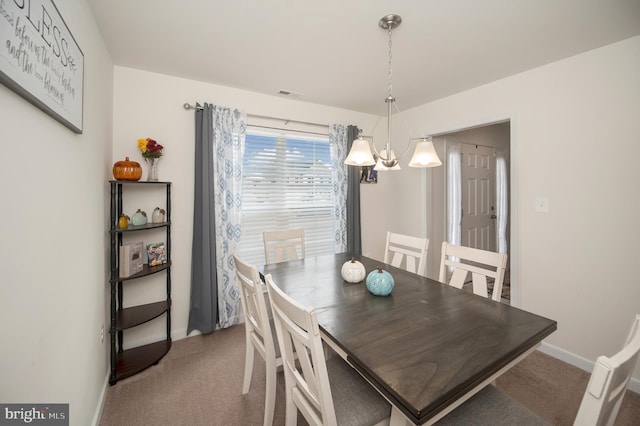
{"type": "Point", "coordinates": [286, 183]}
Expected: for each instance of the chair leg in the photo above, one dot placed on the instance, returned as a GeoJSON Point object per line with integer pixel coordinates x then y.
{"type": "Point", "coordinates": [270, 393]}
{"type": "Point", "coordinates": [291, 411]}
{"type": "Point", "coordinates": [291, 415]}
{"type": "Point", "coordinates": [328, 353]}
{"type": "Point", "coordinates": [248, 366]}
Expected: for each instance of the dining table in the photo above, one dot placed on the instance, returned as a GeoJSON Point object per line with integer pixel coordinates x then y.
{"type": "Point", "coordinates": [426, 347]}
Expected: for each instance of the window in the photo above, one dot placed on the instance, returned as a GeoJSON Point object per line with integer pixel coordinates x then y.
{"type": "Point", "coordinates": [286, 183]}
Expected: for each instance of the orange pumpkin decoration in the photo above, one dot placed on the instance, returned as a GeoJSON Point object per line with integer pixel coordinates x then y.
{"type": "Point", "coordinates": [127, 170]}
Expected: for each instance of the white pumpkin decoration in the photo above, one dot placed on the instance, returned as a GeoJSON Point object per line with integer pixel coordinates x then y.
{"type": "Point", "coordinates": [353, 271]}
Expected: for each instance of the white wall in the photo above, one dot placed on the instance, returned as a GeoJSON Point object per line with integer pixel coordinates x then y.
{"type": "Point", "coordinates": [150, 105]}
{"type": "Point", "coordinates": [53, 255]}
{"type": "Point", "coordinates": [574, 141]}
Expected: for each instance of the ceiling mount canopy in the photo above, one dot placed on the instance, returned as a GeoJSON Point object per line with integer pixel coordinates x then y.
{"type": "Point", "coordinates": [389, 22]}
{"type": "Point", "coordinates": [360, 154]}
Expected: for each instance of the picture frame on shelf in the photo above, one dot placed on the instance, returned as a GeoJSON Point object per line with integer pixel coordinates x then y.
{"type": "Point", "coordinates": [131, 259]}
{"type": "Point", "coordinates": [156, 254]}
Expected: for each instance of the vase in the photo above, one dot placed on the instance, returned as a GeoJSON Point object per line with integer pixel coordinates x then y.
{"type": "Point", "coordinates": [152, 176]}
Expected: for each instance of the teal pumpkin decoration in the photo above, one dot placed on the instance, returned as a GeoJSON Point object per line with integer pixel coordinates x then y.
{"type": "Point", "coordinates": [380, 282]}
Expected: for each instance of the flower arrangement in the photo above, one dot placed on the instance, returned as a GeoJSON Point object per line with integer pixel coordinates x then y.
{"type": "Point", "coordinates": [150, 148]}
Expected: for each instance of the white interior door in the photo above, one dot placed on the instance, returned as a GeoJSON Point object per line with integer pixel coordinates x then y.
{"type": "Point", "coordinates": [478, 197]}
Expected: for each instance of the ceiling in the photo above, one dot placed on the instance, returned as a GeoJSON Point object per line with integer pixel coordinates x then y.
{"type": "Point", "coordinates": [333, 52]}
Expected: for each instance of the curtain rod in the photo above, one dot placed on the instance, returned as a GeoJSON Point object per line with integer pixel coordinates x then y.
{"type": "Point", "coordinates": [473, 144]}
{"type": "Point", "coordinates": [478, 144]}
{"type": "Point", "coordinates": [188, 106]}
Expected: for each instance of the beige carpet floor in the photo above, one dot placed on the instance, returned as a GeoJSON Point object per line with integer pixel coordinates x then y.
{"type": "Point", "coordinates": [199, 383]}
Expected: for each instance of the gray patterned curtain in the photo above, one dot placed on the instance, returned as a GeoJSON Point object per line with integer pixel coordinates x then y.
{"type": "Point", "coordinates": [338, 140]}
{"type": "Point", "coordinates": [216, 219]}
{"type": "Point", "coordinates": [354, 236]}
{"type": "Point", "coordinates": [203, 308]}
{"type": "Point", "coordinates": [346, 190]}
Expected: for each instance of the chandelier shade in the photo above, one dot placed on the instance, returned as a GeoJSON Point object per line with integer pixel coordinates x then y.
{"type": "Point", "coordinates": [425, 155]}
{"type": "Point", "coordinates": [360, 154]}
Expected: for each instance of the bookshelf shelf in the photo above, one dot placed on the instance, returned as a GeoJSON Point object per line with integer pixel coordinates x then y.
{"type": "Point", "coordinates": [126, 363]}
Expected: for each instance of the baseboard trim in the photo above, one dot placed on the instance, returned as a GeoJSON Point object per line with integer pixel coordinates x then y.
{"type": "Point", "coordinates": [176, 335]}
{"type": "Point", "coordinates": [98, 413]}
{"type": "Point", "coordinates": [581, 363]}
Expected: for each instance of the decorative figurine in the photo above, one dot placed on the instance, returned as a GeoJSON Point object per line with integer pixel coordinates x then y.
{"type": "Point", "coordinates": [380, 283]}
{"type": "Point", "coordinates": [139, 218]}
{"type": "Point", "coordinates": [353, 271]}
{"type": "Point", "coordinates": [123, 222]}
{"type": "Point", "coordinates": [158, 215]}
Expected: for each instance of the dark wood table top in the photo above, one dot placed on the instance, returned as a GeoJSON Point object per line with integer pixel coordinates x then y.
{"type": "Point", "coordinates": [423, 346]}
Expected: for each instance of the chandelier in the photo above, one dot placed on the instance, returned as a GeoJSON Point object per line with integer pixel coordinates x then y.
{"type": "Point", "coordinates": [360, 154]}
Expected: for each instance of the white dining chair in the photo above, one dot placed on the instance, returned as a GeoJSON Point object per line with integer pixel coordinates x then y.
{"type": "Point", "coordinates": [481, 264]}
{"type": "Point", "coordinates": [608, 383]}
{"type": "Point", "coordinates": [600, 404]}
{"type": "Point", "coordinates": [260, 333]}
{"type": "Point", "coordinates": [406, 252]}
{"type": "Point", "coordinates": [285, 244]}
{"type": "Point", "coordinates": [325, 392]}
{"type": "Point", "coordinates": [491, 406]}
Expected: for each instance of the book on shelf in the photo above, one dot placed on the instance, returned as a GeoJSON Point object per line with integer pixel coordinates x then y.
{"type": "Point", "coordinates": [131, 259]}
{"type": "Point", "coordinates": [157, 254]}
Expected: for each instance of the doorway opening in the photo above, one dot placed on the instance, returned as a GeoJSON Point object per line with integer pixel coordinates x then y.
{"type": "Point", "coordinates": [480, 222]}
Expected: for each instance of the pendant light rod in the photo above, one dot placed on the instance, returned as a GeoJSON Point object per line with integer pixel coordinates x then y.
{"type": "Point", "coordinates": [360, 153]}
{"type": "Point", "coordinates": [389, 22]}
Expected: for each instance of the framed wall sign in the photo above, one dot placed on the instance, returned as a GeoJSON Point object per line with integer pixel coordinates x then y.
{"type": "Point", "coordinates": [40, 59]}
